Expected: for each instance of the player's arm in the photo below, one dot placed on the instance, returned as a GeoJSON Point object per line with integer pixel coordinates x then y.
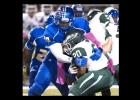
{"type": "Point", "coordinates": [105, 22]}
{"type": "Point", "coordinates": [90, 36]}
{"type": "Point", "coordinates": [107, 46]}
{"type": "Point", "coordinates": [26, 52]}
{"type": "Point", "coordinates": [28, 48]}
{"type": "Point", "coordinates": [57, 51]}
{"type": "Point", "coordinates": [43, 42]}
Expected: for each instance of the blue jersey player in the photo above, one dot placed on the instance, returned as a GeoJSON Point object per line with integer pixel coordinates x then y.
{"type": "Point", "coordinates": [38, 52]}
{"type": "Point", "coordinates": [48, 70]}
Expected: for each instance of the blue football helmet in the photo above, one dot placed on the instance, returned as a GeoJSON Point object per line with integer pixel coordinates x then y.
{"type": "Point", "coordinates": [115, 15]}
{"type": "Point", "coordinates": [64, 17]}
{"type": "Point", "coordinates": [78, 10]}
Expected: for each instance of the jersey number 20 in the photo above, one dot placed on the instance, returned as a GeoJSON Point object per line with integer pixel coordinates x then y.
{"type": "Point", "coordinates": [78, 52]}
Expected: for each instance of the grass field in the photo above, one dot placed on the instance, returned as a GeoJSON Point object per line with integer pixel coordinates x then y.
{"type": "Point", "coordinates": [52, 91]}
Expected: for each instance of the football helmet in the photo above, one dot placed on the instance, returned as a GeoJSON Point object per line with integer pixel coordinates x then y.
{"type": "Point", "coordinates": [64, 17]}
{"type": "Point", "coordinates": [73, 37]}
{"type": "Point", "coordinates": [114, 13]}
{"type": "Point", "coordinates": [78, 10]}
{"type": "Point", "coordinates": [92, 13]}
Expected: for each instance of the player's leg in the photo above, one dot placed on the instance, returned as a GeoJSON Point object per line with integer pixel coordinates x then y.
{"type": "Point", "coordinates": [107, 92]}
{"type": "Point", "coordinates": [92, 82]}
{"type": "Point", "coordinates": [42, 80]}
{"type": "Point", "coordinates": [77, 87]}
{"type": "Point", "coordinates": [32, 74]}
{"type": "Point", "coordinates": [62, 88]}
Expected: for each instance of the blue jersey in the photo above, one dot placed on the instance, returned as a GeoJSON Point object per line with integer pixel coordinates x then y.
{"type": "Point", "coordinates": [54, 33]}
{"type": "Point", "coordinates": [80, 22]}
{"type": "Point", "coordinates": [39, 52]}
{"type": "Point", "coordinates": [55, 36]}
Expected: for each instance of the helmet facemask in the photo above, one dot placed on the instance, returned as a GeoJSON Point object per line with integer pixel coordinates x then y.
{"type": "Point", "coordinates": [64, 23]}
{"type": "Point", "coordinates": [67, 48]}
{"type": "Point", "coordinates": [64, 17]}
{"type": "Point", "coordinates": [114, 14]}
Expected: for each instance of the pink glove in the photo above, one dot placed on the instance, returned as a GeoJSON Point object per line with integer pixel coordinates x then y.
{"type": "Point", "coordinates": [110, 66]}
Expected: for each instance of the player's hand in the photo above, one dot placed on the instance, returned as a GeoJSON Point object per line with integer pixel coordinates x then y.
{"type": "Point", "coordinates": [97, 54]}
{"type": "Point", "coordinates": [80, 61]}
{"type": "Point", "coordinates": [73, 70]}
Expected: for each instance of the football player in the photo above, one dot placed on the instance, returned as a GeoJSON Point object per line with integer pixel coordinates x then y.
{"type": "Point", "coordinates": [106, 32]}
{"type": "Point", "coordinates": [99, 23]}
{"type": "Point", "coordinates": [38, 53]}
{"type": "Point", "coordinates": [113, 14]}
{"type": "Point", "coordinates": [98, 76]}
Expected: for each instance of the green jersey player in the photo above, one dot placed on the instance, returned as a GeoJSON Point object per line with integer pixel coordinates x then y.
{"type": "Point", "coordinates": [92, 76]}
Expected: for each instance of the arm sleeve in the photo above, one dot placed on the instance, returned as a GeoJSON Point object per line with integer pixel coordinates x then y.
{"type": "Point", "coordinates": [57, 51]}
{"type": "Point", "coordinates": [92, 38]}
